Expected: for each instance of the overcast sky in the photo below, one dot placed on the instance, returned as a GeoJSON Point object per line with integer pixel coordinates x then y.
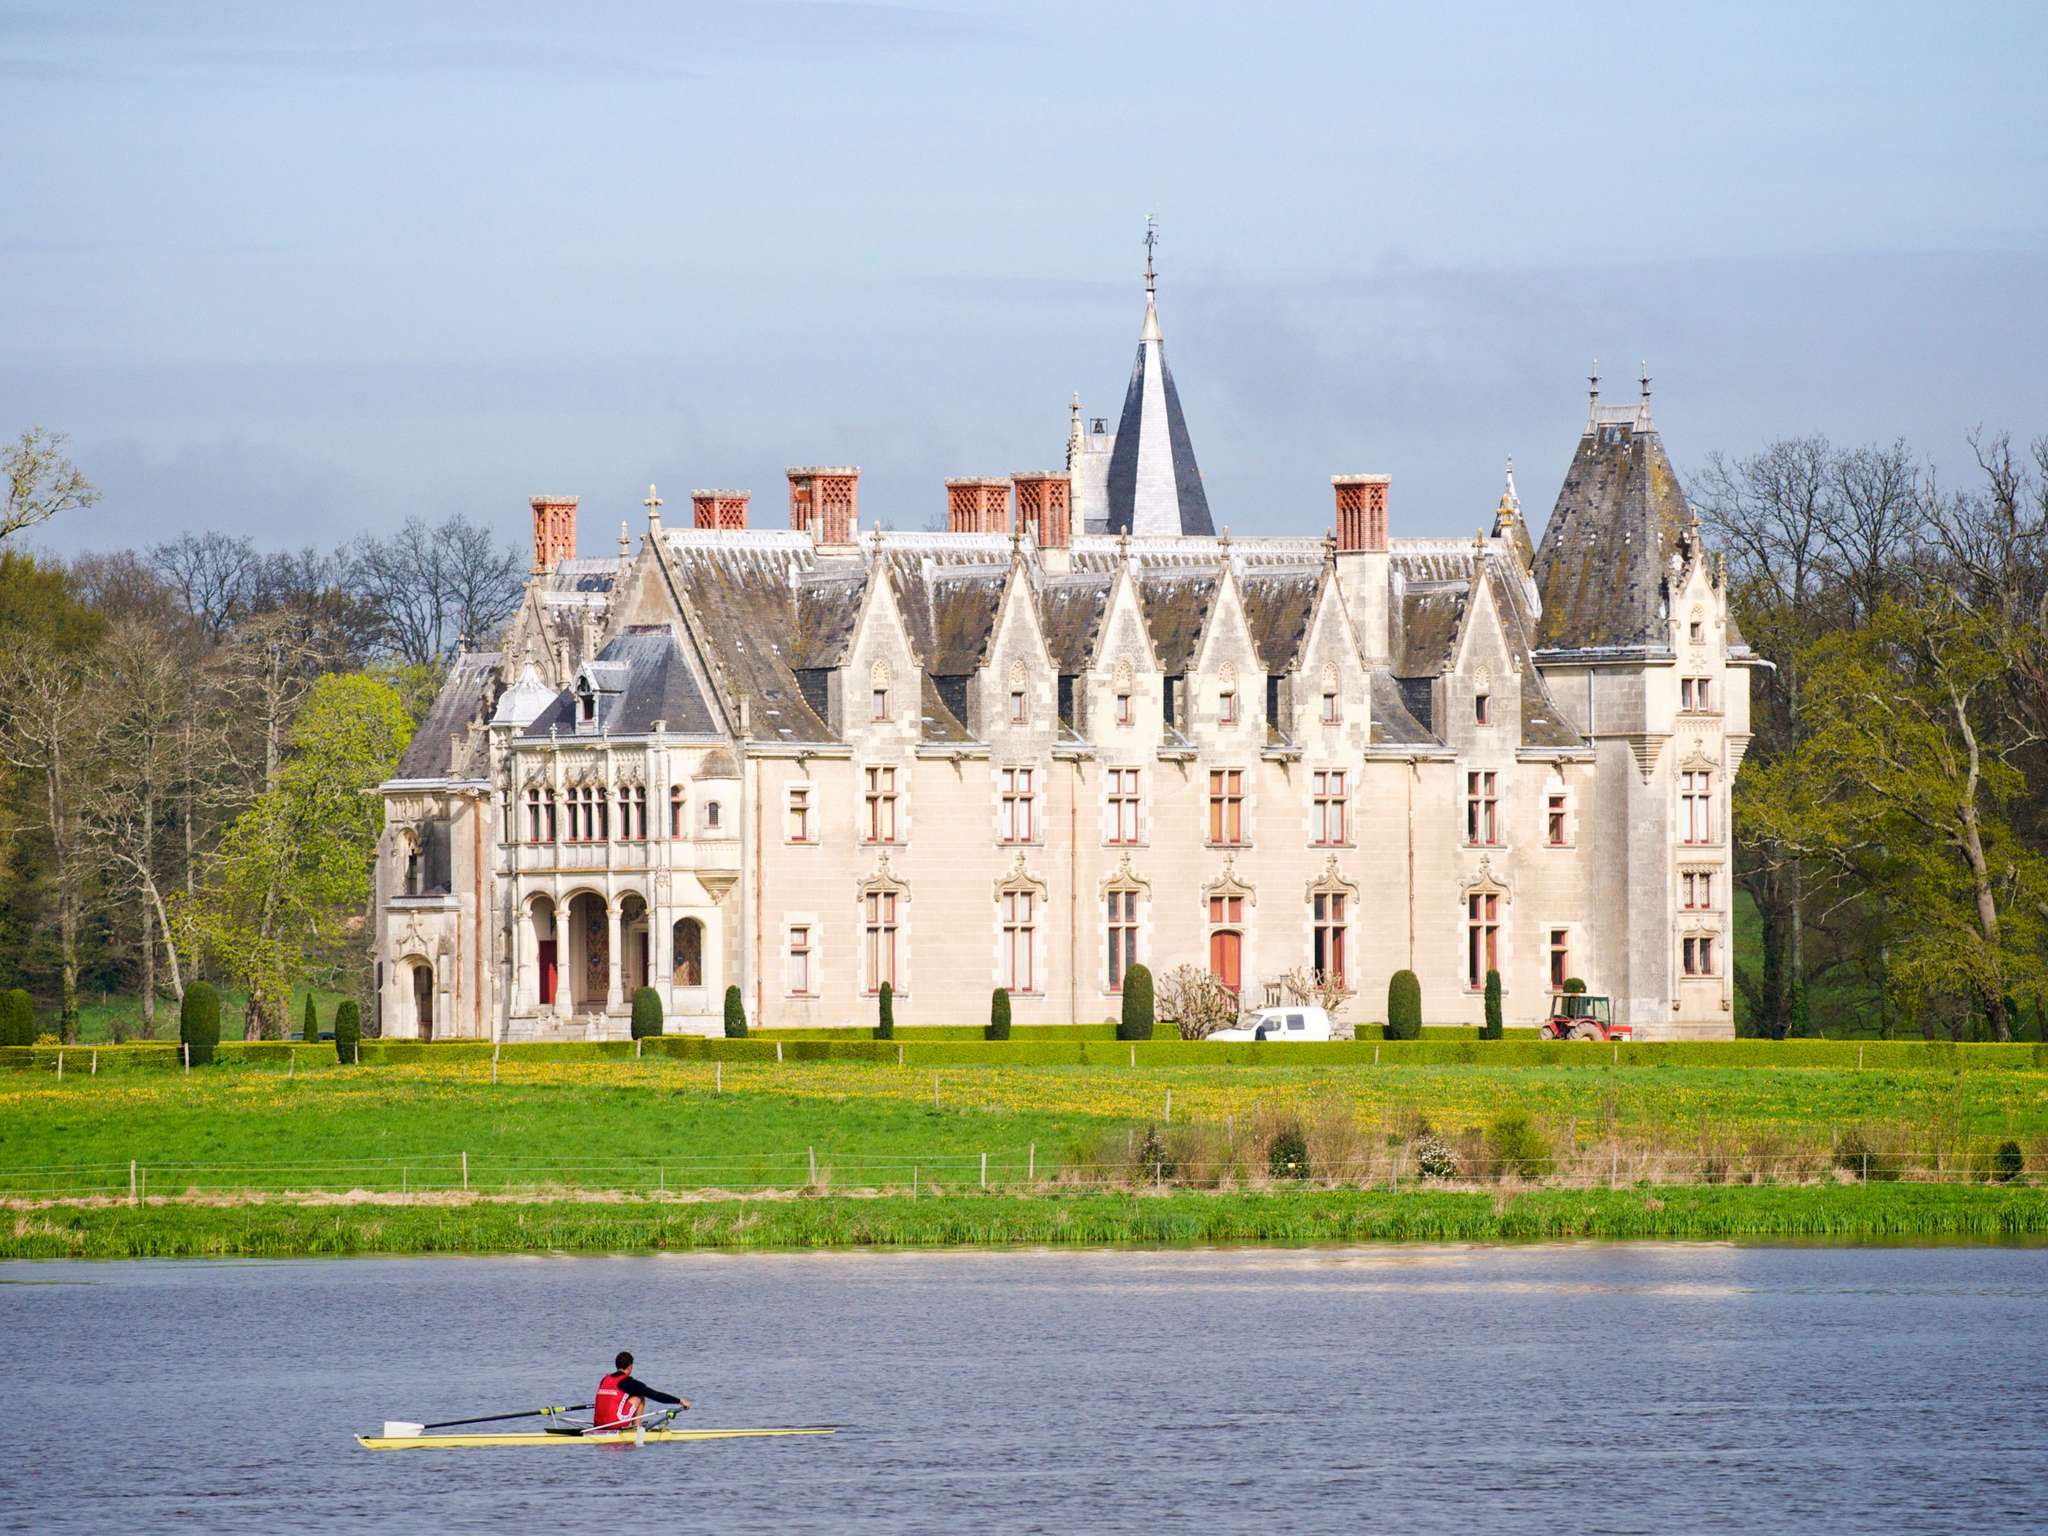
{"type": "Point", "coordinates": [301, 272]}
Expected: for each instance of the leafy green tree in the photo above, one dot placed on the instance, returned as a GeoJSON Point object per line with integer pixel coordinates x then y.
{"type": "Point", "coordinates": [1491, 1030]}
{"type": "Point", "coordinates": [735, 1015]}
{"type": "Point", "coordinates": [348, 1031]}
{"type": "Point", "coordinates": [646, 1013]}
{"type": "Point", "coordinates": [885, 1013]}
{"type": "Point", "coordinates": [295, 867]}
{"type": "Point", "coordinates": [199, 1022]}
{"type": "Point", "coordinates": [1905, 786]}
{"type": "Point", "coordinates": [1137, 1020]}
{"type": "Point", "coordinates": [1404, 1006]}
{"type": "Point", "coordinates": [998, 1015]}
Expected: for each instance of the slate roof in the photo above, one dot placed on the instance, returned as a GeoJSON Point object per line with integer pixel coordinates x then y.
{"type": "Point", "coordinates": [653, 682]}
{"type": "Point", "coordinates": [1607, 548]}
{"type": "Point", "coordinates": [1278, 606]}
{"type": "Point", "coordinates": [470, 693]}
{"type": "Point", "coordinates": [1155, 485]}
{"type": "Point", "coordinates": [1070, 611]}
{"type": "Point", "coordinates": [1177, 603]}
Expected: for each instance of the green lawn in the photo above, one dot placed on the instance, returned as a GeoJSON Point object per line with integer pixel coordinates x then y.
{"type": "Point", "coordinates": [101, 1015]}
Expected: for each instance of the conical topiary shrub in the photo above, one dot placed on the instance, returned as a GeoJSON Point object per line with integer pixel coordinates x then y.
{"type": "Point", "coordinates": [348, 1032]}
{"type": "Point", "coordinates": [998, 1015]}
{"type": "Point", "coordinates": [199, 1022]}
{"type": "Point", "coordinates": [1491, 1029]}
{"type": "Point", "coordinates": [1136, 1023]}
{"type": "Point", "coordinates": [312, 1023]}
{"type": "Point", "coordinates": [885, 1013]}
{"type": "Point", "coordinates": [735, 1015]}
{"type": "Point", "coordinates": [1404, 1006]}
{"type": "Point", "coordinates": [646, 1013]}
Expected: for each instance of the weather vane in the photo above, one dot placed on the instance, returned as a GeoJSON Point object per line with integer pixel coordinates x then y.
{"type": "Point", "coordinates": [1151, 239]}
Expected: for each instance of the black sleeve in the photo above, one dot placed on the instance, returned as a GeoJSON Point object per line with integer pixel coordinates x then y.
{"type": "Point", "coordinates": [635, 1387]}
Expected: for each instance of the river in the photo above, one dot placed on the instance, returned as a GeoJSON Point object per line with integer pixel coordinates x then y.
{"type": "Point", "coordinates": [1609, 1388]}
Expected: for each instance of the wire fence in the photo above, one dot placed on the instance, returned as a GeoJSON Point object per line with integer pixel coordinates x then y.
{"type": "Point", "coordinates": [444, 1176]}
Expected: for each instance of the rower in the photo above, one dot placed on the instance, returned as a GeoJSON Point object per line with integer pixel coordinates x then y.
{"type": "Point", "coordinates": [621, 1396]}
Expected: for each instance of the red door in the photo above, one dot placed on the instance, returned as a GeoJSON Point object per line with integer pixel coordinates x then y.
{"type": "Point", "coordinates": [547, 972]}
{"type": "Point", "coordinates": [1226, 957]}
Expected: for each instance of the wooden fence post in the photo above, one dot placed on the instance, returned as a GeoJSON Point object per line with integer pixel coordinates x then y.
{"type": "Point", "coordinates": [186, 1047]}
{"type": "Point", "coordinates": [1031, 1163]}
{"type": "Point", "coordinates": [465, 1173]}
{"type": "Point", "coordinates": [778, 1050]}
{"type": "Point", "coordinates": [717, 1077]}
{"type": "Point", "coordinates": [95, 1064]}
{"type": "Point", "coordinates": [984, 1170]}
{"type": "Point", "coordinates": [813, 1152]}
{"type": "Point", "coordinates": [60, 1066]}
{"type": "Point", "coordinates": [131, 1182]}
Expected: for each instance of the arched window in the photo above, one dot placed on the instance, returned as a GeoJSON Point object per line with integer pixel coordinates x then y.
{"type": "Point", "coordinates": [689, 952]}
{"type": "Point", "coordinates": [676, 827]}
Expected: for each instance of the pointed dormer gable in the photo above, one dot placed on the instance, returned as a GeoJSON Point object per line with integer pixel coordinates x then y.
{"type": "Point", "coordinates": [1017, 662]}
{"type": "Point", "coordinates": [1330, 686]}
{"type": "Point", "coordinates": [881, 683]}
{"type": "Point", "coordinates": [1602, 566]}
{"type": "Point", "coordinates": [1226, 682]}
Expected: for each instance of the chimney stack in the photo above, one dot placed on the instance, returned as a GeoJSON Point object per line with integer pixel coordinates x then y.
{"type": "Point", "coordinates": [1361, 513]}
{"type": "Point", "coordinates": [978, 505]}
{"type": "Point", "coordinates": [825, 502]}
{"type": "Point", "coordinates": [554, 532]}
{"type": "Point", "coordinates": [720, 509]}
{"type": "Point", "coordinates": [1045, 500]}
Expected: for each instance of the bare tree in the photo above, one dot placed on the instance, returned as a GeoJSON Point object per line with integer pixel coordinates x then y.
{"type": "Point", "coordinates": [1311, 988]}
{"type": "Point", "coordinates": [1196, 1001]}
{"type": "Point", "coordinates": [432, 587]}
{"type": "Point", "coordinates": [214, 573]}
{"type": "Point", "coordinates": [41, 482]}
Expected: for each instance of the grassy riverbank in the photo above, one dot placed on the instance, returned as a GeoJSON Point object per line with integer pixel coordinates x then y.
{"type": "Point", "coordinates": [1828, 1213]}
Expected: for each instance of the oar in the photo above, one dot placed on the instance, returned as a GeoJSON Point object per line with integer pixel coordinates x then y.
{"type": "Point", "coordinates": [396, 1429]}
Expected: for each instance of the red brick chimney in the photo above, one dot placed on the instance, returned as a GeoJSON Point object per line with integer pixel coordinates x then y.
{"type": "Point", "coordinates": [1045, 500]}
{"type": "Point", "coordinates": [1361, 513]}
{"type": "Point", "coordinates": [554, 532]}
{"type": "Point", "coordinates": [825, 502]}
{"type": "Point", "coordinates": [978, 505]}
{"type": "Point", "coordinates": [720, 509]}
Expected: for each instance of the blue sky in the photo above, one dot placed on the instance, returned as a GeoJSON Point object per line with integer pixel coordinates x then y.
{"type": "Point", "coordinates": [304, 271]}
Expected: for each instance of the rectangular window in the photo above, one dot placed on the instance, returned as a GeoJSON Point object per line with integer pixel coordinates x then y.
{"type": "Point", "coordinates": [1016, 706]}
{"type": "Point", "coordinates": [1695, 807]}
{"type": "Point", "coordinates": [799, 813]}
{"type": "Point", "coordinates": [1014, 820]}
{"type": "Point", "coordinates": [1560, 958]}
{"type": "Point", "coordinates": [1482, 810]}
{"type": "Point", "coordinates": [881, 805]}
{"type": "Point", "coordinates": [533, 820]}
{"type": "Point", "coordinates": [1699, 956]}
{"type": "Point", "coordinates": [1123, 805]}
{"type": "Point", "coordinates": [1697, 632]}
{"type": "Point", "coordinates": [1226, 805]}
{"type": "Point", "coordinates": [1329, 934]}
{"type": "Point", "coordinates": [1482, 937]}
{"type": "Point", "coordinates": [800, 960]}
{"type": "Point", "coordinates": [1695, 695]}
{"type": "Point", "coordinates": [1327, 817]}
{"type": "Point", "coordinates": [880, 704]}
{"type": "Point", "coordinates": [1329, 709]}
{"type": "Point", "coordinates": [1123, 936]}
{"type": "Point", "coordinates": [1019, 928]}
{"type": "Point", "coordinates": [548, 808]}
{"type": "Point", "coordinates": [1482, 712]}
{"type": "Point", "coordinates": [601, 805]}
{"type": "Point", "coordinates": [881, 936]}
{"type": "Point", "coordinates": [1123, 709]}
{"type": "Point", "coordinates": [1696, 891]}
{"type": "Point", "coordinates": [676, 825]}
{"type": "Point", "coordinates": [1226, 709]}
{"type": "Point", "coordinates": [575, 816]}
{"type": "Point", "coordinates": [1554, 820]}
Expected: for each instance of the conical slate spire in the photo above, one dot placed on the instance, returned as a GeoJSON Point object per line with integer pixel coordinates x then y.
{"type": "Point", "coordinates": [1154, 484]}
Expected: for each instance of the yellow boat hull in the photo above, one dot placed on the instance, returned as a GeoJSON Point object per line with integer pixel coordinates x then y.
{"type": "Point", "coordinates": [651, 1437]}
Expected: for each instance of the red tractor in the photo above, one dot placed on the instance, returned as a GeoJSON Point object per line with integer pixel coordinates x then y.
{"type": "Point", "coordinates": [1582, 1016]}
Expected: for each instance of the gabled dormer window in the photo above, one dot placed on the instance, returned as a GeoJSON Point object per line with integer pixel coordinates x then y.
{"type": "Point", "coordinates": [1482, 709]}
{"type": "Point", "coordinates": [586, 700]}
{"type": "Point", "coordinates": [1226, 708]}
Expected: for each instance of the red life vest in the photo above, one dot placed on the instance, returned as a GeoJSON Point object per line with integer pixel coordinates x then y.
{"type": "Point", "coordinates": [609, 1403]}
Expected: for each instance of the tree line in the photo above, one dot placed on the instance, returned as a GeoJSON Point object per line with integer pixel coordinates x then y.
{"type": "Point", "coordinates": [187, 733]}
{"type": "Point", "coordinates": [1892, 807]}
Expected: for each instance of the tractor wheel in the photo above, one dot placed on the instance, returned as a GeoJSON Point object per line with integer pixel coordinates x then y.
{"type": "Point", "coordinates": [1588, 1032]}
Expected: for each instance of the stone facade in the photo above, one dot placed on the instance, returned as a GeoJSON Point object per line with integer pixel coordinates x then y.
{"type": "Point", "coordinates": [804, 761]}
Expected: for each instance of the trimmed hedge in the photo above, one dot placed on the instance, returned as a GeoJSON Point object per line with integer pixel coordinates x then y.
{"type": "Point", "coordinates": [1138, 1017]}
{"type": "Point", "coordinates": [348, 1031]}
{"type": "Point", "coordinates": [646, 1014]}
{"type": "Point", "coordinates": [199, 1022]}
{"type": "Point", "coordinates": [17, 1018]}
{"type": "Point", "coordinates": [999, 1014]}
{"type": "Point", "coordinates": [735, 1015]}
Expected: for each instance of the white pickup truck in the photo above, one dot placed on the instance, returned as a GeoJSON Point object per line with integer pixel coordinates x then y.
{"type": "Point", "coordinates": [1289, 1023]}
